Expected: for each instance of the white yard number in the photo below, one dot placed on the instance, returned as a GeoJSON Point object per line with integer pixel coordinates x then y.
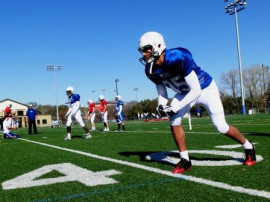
{"type": "Point", "coordinates": [71, 172]}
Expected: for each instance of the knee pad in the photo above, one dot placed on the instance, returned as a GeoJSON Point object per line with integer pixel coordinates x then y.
{"type": "Point", "coordinates": [220, 123]}
{"type": "Point", "coordinates": [222, 127]}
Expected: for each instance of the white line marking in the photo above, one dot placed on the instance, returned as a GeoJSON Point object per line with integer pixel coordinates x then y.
{"type": "Point", "coordinates": [221, 185]}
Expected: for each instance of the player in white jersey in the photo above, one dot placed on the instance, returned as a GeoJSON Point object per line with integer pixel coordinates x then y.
{"type": "Point", "coordinates": [176, 69]}
{"type": "Point", "coordinates": [8, 126]}
{"type": "Point", "coordinates": [74, 112]}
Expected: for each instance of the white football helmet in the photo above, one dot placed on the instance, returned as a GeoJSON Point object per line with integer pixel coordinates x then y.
{"type": "Point", "coordinates": [69, 91]}
{"type": "Point", "coordinates": [89, 101]}
{"type": "Point", "coordinates": [152, 40]}
{"type": "Point", "coordinates": [118, 97]}
{"type": "Point", "coordinates": [101, 97]}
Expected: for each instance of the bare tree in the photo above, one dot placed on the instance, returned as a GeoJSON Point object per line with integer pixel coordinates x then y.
{"type": "Point", "coordinates": [230, 83]}
{"type": "Point", "coordinates": [253, 82]}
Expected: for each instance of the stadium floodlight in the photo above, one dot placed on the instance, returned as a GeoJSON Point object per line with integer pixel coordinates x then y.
{"type": "Point", "coordinates": [93, 91]}
{"type": "Point", "coordinates": [136, 90]}
{"type": "Point", "coordinates": [116, 81]}
{"type": "Point", "coordinates": [55, 69]}
{"type": "Point", "coordinates": [232, 9]}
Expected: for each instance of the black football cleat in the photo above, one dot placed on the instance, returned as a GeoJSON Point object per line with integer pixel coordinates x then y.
{"type": "Point", "coordinates": [182, 166]}
{"type": "Point", "coordinates": [250, 154]}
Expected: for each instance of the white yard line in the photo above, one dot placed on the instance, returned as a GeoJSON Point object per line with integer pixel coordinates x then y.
{"type": "Point", "coordinates": [221, 185]}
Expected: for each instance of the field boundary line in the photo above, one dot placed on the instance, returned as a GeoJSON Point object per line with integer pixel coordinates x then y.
{"type": "Point", "coordinates": [221, 185]}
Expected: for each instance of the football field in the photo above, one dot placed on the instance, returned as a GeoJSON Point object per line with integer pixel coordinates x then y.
{"type": "Point", "coordinates": [136, 165]}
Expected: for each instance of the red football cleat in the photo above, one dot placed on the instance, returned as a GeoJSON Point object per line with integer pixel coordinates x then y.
{"type": "Point", "coordinates": [250, 156]}
{"type": "Point", "coordinates": [182, 166]}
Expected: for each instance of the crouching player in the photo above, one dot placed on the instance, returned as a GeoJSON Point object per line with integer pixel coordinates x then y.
{"type": "Point", "coordinates": [119, 113]}
{"type": "Point", "coordinates": [8, 126]}
{"type": "Point", "coordinates": [176, 69]}
{"type": "Point", "coordinates": [74, 112]}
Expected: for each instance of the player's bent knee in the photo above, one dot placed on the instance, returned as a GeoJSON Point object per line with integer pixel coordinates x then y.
{"type": "Point", "coordinates": [82, 124]}
{"type": "Point", "coordinates": [222, 128]}
{"type": "Point", "coordinates": [175, 122]}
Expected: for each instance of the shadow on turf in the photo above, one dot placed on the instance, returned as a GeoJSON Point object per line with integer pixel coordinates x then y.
{"type": "Point", "coordinates": [257, 134]}
{"type": "Point", "coordinates": [142, 156]}
{"type": "Point", "coordinates": [77, 137]}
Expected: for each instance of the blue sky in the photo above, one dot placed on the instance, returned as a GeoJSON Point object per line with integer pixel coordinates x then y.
{"type": "Point", "coordinates": [96, 42]}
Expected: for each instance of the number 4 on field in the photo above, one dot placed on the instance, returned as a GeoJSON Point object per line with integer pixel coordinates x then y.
{"type": "Point", "coordinates": [71, 172]}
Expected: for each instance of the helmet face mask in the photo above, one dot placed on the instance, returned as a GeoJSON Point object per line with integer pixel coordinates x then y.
{"type": "Point", "coordinates": [149, 56]}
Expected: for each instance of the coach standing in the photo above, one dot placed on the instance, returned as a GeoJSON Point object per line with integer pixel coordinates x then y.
{"type": "Point", "coordinates": [31, 116]}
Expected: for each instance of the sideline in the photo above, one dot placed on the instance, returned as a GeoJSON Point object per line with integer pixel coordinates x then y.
{"type": "Point", "coordinates": [221, 185]}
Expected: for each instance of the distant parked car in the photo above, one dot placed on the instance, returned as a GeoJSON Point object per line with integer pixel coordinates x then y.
{"type": "Point", "coordinates": [56, 124]}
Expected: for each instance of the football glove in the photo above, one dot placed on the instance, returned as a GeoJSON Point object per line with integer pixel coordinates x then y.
{"type": "Point", "coordinates": [159, 111]}
{"type": "Point", "coordinates": [117, 116]}
{"type": "Point", "coordinates": [165, 111]}
{"type": "Point", "coordinates": [169, 111]}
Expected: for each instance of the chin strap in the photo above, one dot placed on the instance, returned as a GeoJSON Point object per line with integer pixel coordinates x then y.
{"type": "Point", "coordinates": [151, 67]}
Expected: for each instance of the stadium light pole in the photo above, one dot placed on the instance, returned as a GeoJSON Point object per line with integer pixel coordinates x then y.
{"type": "Point", "coordinates": [232, 9]}
{"type": "Point", "coordinates": [93, 91]}
{"type": "Point", "coordinates": [263, 79]}
{"type": "Point", "coordinates": [136, 90]}
{"type": "Point", "coordinates": [54, 69]}
{"type": "Point", "coordinates": [267, 73]}
{"type": "Point", "coordinates": [116, 81]}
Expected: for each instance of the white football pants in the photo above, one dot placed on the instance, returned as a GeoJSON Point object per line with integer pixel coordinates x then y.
{"type": "Point", "coordinates": [78, 118]}
{"type": "Point", "coordinates": [92, 117]}
{"type": "Point", "coordinates": [104, 117]}
{"type": "Point", "coordinates": [210, 100]}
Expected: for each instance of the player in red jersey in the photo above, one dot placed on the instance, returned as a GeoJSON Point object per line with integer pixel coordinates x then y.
{"type": "Point", "coordinates": [104, 112]}
{"type": "Point", "coordinates": [8, 110]}
{"type": "Point", "coordinates": [91, 113]}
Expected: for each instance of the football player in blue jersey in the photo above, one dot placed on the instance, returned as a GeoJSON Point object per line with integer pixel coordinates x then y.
{"type": "Point", "coordinates": [119, 113]}
{"type": "Point", "coordinates": [176, 69]}
{"type": "Point", "coordinates": [74, 112]}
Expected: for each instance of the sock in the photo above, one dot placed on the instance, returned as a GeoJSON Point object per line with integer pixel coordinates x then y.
{"type": "Point", "coordinates": [123, 127]}
{"type": "Point", "coordinates": [247, 145]}
{"type": "Point", "coordinates": [184, 155]}
{"type": "Point", "coordinates": [118, 126]}
{"type": "Point", "coordinates": [69, 135]}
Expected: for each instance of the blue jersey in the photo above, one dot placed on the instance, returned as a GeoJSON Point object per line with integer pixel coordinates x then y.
{"type": "Point", "coordinates": [74, 98]}
{"type": "Point", "coordinates": [31, 114]}
{"type": "Point", "coordinates": [117, 106]}
{"type": "Point", "coordinates": [119, 111]}
{"type": "Point", "coordinates": [178, 63]}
